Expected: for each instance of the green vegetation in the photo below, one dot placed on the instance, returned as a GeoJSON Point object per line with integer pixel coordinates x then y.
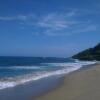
{"type": "Point", "coordinates": [89, 54]}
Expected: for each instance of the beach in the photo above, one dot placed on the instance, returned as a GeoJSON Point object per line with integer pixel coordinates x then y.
{"type": "Point", "coordinates": [79, 85]}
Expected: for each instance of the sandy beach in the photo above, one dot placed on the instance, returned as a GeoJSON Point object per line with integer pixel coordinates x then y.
{"type": "Point", "coordinates": [80, 85]}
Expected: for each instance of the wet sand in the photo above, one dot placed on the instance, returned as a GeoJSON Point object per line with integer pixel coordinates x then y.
{"type": "Point", "coordinates": [79, 85]}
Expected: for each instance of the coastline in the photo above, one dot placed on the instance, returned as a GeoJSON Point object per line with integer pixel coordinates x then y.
{"type": "Point", "coordinates": [79, 85]}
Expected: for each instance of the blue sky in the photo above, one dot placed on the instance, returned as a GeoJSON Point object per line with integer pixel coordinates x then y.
{"type": "Point", "coordinates": [58, 28]}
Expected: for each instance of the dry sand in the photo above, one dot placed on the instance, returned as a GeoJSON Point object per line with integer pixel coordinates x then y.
{"type": "Point", "coordinates": [80, 85]}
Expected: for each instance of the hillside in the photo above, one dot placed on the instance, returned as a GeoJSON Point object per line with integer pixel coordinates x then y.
{"type": "Point", "coordinates": [89, 54]}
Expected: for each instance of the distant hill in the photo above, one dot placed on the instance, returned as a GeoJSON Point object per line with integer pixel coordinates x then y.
{"type": "Point", "coordinates": [89, 54]}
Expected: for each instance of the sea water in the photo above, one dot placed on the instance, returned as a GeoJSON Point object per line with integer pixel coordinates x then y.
{"type": "Point", "coordinates": [20, 70]}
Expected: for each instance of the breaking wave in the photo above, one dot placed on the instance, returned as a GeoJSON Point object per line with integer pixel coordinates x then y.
{"type": "Point", "coordinates": [66, 68]}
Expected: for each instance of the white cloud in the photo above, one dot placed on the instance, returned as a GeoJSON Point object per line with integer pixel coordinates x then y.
{"type": "Point", "coordinates": [21, 17]}
{"type": "Point", "coordinates": [56, 21]}
{"type": "Point", "coordinates": [17, 17]}
{"type": "Point", "coordinates": [6, 18]}
{"type": "Point", "coordinates": [56, 24]}
{"type": "Point", "coordinates": [87, 28]}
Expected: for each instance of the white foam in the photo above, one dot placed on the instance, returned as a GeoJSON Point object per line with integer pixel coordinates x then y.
{"type": "Point", "coordinates": [21, 67]}
{"type": "Point", "coordinates": [76, 63]}
{"type": "Point", "coordinates": [67, 68]}
{"type": "Point", "coordinates": [5, 84]}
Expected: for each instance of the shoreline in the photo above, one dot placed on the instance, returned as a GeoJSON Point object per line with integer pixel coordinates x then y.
{"type": "Point", "coordinates": [78, 85]}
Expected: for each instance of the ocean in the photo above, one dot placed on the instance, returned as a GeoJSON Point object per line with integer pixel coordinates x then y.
{"type": "Point", "coordinates": [18, 71]}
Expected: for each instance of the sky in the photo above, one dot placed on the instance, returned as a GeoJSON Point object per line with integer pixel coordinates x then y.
{"type": "Point", "coordinates": [54, 28]}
